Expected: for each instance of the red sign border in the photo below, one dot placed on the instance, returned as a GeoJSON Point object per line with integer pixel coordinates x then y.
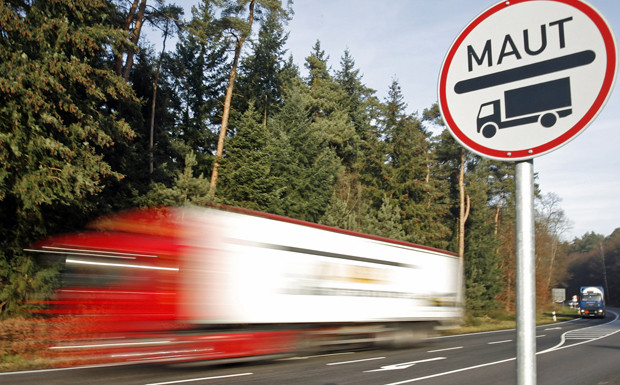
{"type": "Point", "coordinates": [599, 102]}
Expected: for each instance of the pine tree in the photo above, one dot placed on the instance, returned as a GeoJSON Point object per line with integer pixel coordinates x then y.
{"type": "Point", "coordinates": [339, 214]}
{"type": "Point", "coordinates": [186, 189]}
{"type": "Point", "coordinates": [246, 178]}
{"type": "Point", "coordinates": [331, 123]}
{"type": "Point", "coordinates": [359, 101]}
{"type": "Point", "coordinates": [448, 158]}
{"type": "Point", "coordinates": [134, 21]}
{"type": "Point", "coordinates": [196, 74]}
{"type": "Point", "coordinates": [500, 200]}
{"type": "Point", "coordinates": [237, 19]}
{"type": "Point", "coordinates": [483, 279]}
{"type": "Point", "coordinates": [408, 173]}
{"type": "Point", "coordinates": [388, 220]}
{"type": "Point", "coordinates": [261, 77]}
{"type": "Point", "coordinates": [305, 168]}
{"type": "Point", "coordinates": [58, 119]}
{"type": "Point", "coordinates": [361, 105]}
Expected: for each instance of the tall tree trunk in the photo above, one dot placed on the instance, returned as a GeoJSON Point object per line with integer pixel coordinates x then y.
{"type": "Point", "coordinates": [604, 270]}
{"type": "Point", "coordinates": [427, 179]}
{"type": "Point", "coordinates": [465, 204]}
{"type": "Point", "coordinates": [265, 112]}
{"type": "Point", "coordinates": [498, 210]}
{"type": "Point", "coordinates": [153, 104]}
{"type": "Point", "coordinates": [554, 252]}
{"type": "Point", "coordinates": [128, 20]}
{"type": "Point", "coordinates": [135, 36]}
{"type": "Point", "coordinates": [227, 101]}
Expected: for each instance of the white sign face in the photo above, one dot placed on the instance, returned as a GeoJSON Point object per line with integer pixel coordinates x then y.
{"type": "Point", "coordinates": [527, 76]}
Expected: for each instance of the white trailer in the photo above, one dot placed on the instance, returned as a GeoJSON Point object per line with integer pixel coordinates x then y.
{"type": "Point", "coordinates": [250, 268]}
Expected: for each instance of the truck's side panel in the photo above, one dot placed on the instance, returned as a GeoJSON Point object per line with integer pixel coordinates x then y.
{"type": "Point", "coordinates": [264, 271]}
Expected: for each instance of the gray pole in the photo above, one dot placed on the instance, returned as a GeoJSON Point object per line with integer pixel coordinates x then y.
{"type": "Point", "coordinates": [526, 274]}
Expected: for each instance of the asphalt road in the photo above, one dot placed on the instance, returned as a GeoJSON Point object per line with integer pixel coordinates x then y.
{"type": "Point", "coordinates": [579, 352]}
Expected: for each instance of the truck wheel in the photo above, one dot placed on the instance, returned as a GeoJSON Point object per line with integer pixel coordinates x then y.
{"type": "Point", "coordinates": [408, 335]}
{"type": "Point", "coordinates": [489, 130]}
{"type": "Point", "coordinates": [548, 119]}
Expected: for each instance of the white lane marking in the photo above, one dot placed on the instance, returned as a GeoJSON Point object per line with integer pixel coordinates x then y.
{"type": "Point", "coordinates": [314, 356]}
{"type": "Point", "coordinates": [200, 379]}
{"type": "Point", "coordinates": [494, 331]}
{"type": "Point", "coordinates": [542, 335]}
{"type": "Point", "coordinates": [586, 335]}
{"type": "Point", "coordinates": [499, 342]}
{"type": "Point", "coordinates": [404, 365]}
{"type": "Point", "coordinates": [445, 350]}
{"type": "Point", "coordinates": [583, 336]}
{"type": "Point", "coordinates": [558, 347]}
{"type": "Point", "coordinates": [450, 372]}
{"type": "Point", "coordinates": [354, 361]}
{"type": "Point", "coordinates": [556, 328]}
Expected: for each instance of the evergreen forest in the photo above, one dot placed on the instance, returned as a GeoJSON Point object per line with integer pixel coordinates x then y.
{"type": "Point", "coordinates": [95, 120]}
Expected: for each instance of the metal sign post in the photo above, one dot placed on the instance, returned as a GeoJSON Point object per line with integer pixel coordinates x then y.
{"type": "Point", "coordinates": [526, 273]}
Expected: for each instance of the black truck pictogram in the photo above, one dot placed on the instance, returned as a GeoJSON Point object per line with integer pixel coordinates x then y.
{"type": "Point", "coordinates": [544, 102]}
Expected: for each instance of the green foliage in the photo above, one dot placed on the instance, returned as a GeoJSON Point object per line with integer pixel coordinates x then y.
{"type": "Point", "coordinates": [587, 242]}
{"type": "Point", "coordinates": [407, 173]}
{"type": "Point", "coordinates": [338, 214]}
{"type": "Point", "coordinates": [25, 283]}
{"type": "Point", "coordinates": [388, 221]}
{"type": "Point", "coordinates": [246, 179]}
{"type": "Point", "coordinates": [58, 122]}
{"type": "Point", "coordinates": [262, 73]}
{"type": "Point", "coordinates": [306, 169]}
{"type": "Point", "coordinates": [359, 101]}
{"type": "Point", "coordinates": [53, 90]}
{"type": "Point", "coordinates": [187, 189]}
{"type": "Point", "coordinates": [196, 75]}
{"type": "Point", "coordinates": [330, 120]}
{"type": "Point", "coordinates": [483, 280]}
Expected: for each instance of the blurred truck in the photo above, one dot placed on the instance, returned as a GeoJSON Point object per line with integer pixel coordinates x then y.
{"type": "Point", "coordinates": [172, 284]}
{"type": "Point", "coordinates": [592, 301]}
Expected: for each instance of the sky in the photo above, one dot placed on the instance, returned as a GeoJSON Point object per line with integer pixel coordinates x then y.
{"type": "Point", "coordinates": [407, 40]}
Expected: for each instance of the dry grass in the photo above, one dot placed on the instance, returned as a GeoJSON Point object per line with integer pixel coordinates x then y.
{"type": "Point", "coordinates": [22, 342]}
{"type": "Point", "coordinates": [508, 321]}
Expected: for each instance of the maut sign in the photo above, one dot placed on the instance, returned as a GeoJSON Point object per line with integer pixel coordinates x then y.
{"type": "Point", "coordinates": [527, 76]}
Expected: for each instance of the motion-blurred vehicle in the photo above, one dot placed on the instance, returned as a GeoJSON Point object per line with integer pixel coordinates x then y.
{"type": "Point", "coordinates": [174, 284]}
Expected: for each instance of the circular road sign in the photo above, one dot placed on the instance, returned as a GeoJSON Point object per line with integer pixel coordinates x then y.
{"type": "Point", "coordinates": [526, 77]}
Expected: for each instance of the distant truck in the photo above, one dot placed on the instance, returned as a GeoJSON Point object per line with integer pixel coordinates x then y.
{"type": "Point", "coordinates": [541, 102]}
{"type": "Point", "coordinates": [592, 301]}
